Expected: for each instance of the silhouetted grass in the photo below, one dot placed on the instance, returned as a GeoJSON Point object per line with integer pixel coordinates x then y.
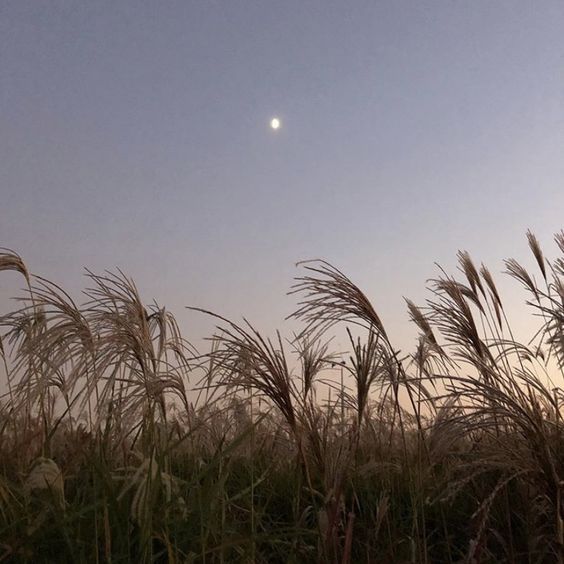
{"type": "Point", "coordinates": [119, 442]}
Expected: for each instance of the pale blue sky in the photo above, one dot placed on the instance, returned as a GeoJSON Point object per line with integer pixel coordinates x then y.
{"type": "Point", "coordinates": [135, 134]}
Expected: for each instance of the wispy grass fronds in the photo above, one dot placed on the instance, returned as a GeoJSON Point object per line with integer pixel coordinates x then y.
{"type": "Point", "coordinates": [9, 260]}
{"type": "Point", "coordinates": [248, 360]}
{"type": "Point", "coordinates": [120, 442]}
{"type": "Point", "coordinates": [330, 297]}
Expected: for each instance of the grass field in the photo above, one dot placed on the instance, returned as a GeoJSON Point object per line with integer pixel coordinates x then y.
{"type": "Point", "coordinates": [119, 442]}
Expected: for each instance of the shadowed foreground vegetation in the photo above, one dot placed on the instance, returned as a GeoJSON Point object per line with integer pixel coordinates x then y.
{"type": "Point", "coordinates": [119, 442]}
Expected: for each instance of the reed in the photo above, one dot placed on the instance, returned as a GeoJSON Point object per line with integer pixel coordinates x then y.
{"type": "Point", "coordinates": [120, 442]}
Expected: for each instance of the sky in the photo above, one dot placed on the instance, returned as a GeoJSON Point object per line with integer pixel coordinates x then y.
{"type": "Point", "coordinates": [136, 135]}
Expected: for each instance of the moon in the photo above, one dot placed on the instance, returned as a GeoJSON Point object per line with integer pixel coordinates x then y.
{"type": "Point", "coordinates": [275, 123]}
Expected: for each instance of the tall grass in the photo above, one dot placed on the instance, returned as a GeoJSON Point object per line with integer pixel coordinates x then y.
{"type": "Point", "coordinates": [119, 442]}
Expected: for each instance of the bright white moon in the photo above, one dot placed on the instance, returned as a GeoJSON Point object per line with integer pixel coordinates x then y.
{"type": "Point", "coordinates": [275, 123]}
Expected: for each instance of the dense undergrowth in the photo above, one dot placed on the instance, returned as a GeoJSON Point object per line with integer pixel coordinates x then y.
{"type": "Point", "coordinates": [119, 442]}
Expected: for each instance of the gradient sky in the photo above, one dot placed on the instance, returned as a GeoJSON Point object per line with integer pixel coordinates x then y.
{"type": "Point", "coordinates": [135, 134]}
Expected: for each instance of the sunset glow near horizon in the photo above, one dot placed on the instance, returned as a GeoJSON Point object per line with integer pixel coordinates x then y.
{"type": "Point", "coordinates": [135, 136]}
